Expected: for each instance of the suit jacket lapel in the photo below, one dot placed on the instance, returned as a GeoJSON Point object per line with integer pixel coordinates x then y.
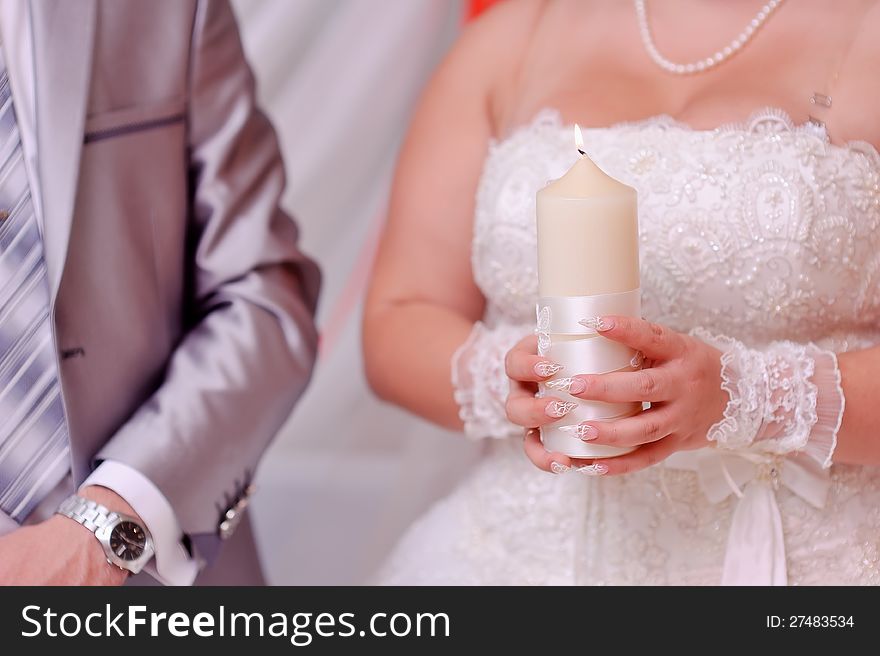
{"type": "Point", "coordinates": [63, 41]}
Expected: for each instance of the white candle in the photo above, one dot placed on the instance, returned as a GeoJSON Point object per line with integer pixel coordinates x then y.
{"type": "Point", "coordinates": [588, 265]}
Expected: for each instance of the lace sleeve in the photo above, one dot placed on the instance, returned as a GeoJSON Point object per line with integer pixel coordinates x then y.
{"type": "Point", "coordinates": [783, 398]}
{"type": "Point", "coordinates": [480, 383]}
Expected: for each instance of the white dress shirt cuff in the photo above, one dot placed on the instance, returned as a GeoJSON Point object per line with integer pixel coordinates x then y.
{"type": "Point", "coordinates": [172, 564]}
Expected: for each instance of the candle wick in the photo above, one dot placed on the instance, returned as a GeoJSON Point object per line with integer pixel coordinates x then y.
{"type": "Point", "coordinates": [583, 154]}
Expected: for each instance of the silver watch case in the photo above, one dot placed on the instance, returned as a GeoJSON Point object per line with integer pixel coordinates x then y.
{"type": "Point", "coordinates": [103, 534]}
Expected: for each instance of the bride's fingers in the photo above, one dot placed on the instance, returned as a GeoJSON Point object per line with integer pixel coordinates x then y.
{"type": "Point", "coordinates": [556, 463]}
{"type": "Point", "coordinates": [522, 362]}
{"type": "Point", "coordinates": [642, 458]}
{"type": "Point", "coordinates": [655, 341]}
{"type": "Point", "coordinates": [655, 384]}
{"type": "Point", "coordinates": [643, 428]}
{"type": "Point", "coordinates": [524, 409]}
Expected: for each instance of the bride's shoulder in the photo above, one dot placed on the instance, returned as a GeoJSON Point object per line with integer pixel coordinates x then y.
{"type": "Point", "coordinates": [856, 88]}
{"type": "Point", "coordinates": [505, 27]}
{"type": "Point", "coordinates": [496, 45]}
{"type": "Point", "coordinates": [865, 46]}
{"type": "Point", "coordinates": [865, 39]}
{"type": "Point", "coordinates": [488, 51]}
{"type": "Point", "coordinates": [484, 65]}
{"type": "Point", "coordinates": [510, 11]}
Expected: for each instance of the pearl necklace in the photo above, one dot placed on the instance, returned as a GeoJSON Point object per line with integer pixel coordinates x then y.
{"type": "Point", "coordinates": [710, 62]}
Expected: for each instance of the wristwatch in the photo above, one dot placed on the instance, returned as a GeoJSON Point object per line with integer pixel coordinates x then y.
{"type": "Point", "coordinates": [126, 542]}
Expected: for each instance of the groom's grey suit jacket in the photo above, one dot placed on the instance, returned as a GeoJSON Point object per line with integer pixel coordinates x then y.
{"type": "Point", "coordinates": [183, 309]}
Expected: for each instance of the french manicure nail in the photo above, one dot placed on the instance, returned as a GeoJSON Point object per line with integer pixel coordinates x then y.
{"type": "Point", "coordinates": [598, 324]}
{"type": "Point", "coordinates": [596, 469]}
{"type": "Point", "coordinates": [546, 369]}
{"type": "Point", "coordinates": [585, 432]}
{"type": "Point", "coordinates": [637, 360]}
{"type": "Point", "coordinates": [559, 409]}
{"type": "Point", "coordinates": [570, 385]}
{"type": "Point", "coordinates": [557, 468]}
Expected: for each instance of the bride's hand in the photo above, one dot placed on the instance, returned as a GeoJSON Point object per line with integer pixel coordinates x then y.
{"type": "Point", "coordinates": [681, 379]}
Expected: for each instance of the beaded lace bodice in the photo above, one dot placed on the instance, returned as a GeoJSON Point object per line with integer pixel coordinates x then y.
{"type": "Point", "coordinates": [762, 231]}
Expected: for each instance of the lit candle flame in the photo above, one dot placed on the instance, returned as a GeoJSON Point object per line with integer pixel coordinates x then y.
{"type": "Point", "coordinates": [579, 140]}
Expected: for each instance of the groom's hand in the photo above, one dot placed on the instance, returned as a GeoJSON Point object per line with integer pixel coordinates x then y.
{"type": "Point", "coordinates": [59, 551]}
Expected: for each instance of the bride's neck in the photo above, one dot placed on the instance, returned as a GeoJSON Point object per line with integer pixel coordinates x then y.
{"type": "Point", "coordinates": [602, 75]}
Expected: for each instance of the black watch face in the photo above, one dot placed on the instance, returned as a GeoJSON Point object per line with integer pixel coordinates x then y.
{"type": "Point", "coordinates": [128, 541]}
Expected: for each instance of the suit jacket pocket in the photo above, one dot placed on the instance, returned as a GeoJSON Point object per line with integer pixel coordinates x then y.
{"type": "Point", "coordinates": [119, 122]}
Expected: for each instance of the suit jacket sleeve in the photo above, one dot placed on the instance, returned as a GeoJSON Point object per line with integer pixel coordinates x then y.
{"type": "Point", "coordinates": [251, 342]}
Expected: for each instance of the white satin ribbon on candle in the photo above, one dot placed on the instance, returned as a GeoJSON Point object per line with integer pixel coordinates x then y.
{"type": "Point", "coordinates": [560, 314]}
{"type": "Point", "coordinates": [755, 552]}
{"type": "Point", "coordinates": [593, 355]}
{"type": "Point", "coordinates": [585, 352]}
{"type": "Point", "coordinates": [587, 410]}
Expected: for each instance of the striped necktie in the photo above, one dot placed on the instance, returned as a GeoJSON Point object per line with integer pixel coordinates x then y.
{"type": "Point", "coordinates": [34, 449]}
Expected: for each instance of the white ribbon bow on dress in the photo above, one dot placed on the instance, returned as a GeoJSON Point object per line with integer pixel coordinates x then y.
{"type": "Point", "coordinates": [755, 547]}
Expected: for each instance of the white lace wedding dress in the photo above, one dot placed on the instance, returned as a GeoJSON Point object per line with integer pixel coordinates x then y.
{"type": "Point", "coordinates": [762, 231]}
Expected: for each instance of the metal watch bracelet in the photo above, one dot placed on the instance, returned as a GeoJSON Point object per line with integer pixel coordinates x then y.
{"type": "Point", "coordinates": [88, 513]}
{"type": "Point", "coordinates": [127, 544]}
